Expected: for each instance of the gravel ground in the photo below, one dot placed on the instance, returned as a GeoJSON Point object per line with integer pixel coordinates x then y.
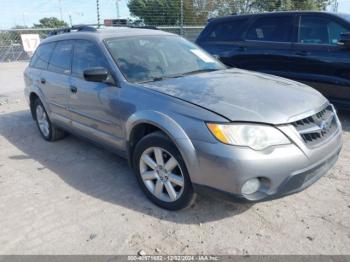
{"type": "Point", "coordinates": [70, 197]}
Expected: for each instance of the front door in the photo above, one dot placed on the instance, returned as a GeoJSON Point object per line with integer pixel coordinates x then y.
{"type": "Point", "coordinates": [91, 103]}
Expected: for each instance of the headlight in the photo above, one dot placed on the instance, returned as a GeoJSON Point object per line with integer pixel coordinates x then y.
{"type": "Point", "coordinates": [257, 137]}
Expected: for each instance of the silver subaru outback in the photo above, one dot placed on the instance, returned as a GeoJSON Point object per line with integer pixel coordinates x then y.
{"type": "Point", "coordinates": [185, 122]}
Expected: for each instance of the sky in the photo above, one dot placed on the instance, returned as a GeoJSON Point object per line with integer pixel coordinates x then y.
{"type": "Point", "coordinates": [28, 12]}
{"type": "Point", "coordinates": [344, 6]}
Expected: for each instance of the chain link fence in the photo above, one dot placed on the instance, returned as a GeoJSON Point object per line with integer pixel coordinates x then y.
{"type": "Point", "coordinates": [183, 17]}
{"type": "Point", "coordinates": [11, 47]}
{"type": "Point", "coordinates": [188, 32]}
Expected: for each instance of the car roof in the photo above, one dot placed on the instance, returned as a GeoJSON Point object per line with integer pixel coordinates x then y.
{"type": "Point", "coordinates": [237, 16]}
{"type": "Point", "coordinates": [105, 33]}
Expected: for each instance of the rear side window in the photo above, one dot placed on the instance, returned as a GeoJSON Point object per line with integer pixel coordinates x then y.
{"type": "Point", "coordinates": [226, 31]}
{"type": "Point", "coordinates": [271, 29]}
{"type": "Point", "coordinates": [61, 57]}
{"type": "Point", "coordinates": [87, 55]}
{"type": "Point", "coordinates": [319, 30]}
{"type": "Point", "coordinates": [42, 56]}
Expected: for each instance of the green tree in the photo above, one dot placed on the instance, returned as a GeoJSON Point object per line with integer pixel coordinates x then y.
{"type": "Point", "coordinates": [50, 22]}
{"type": "Point", "coordinates": [248, 6]}
{"type": "Point", "coordinates": [310, 4]}
{"type": "Point", "coordinates": [167, 12]}
{"type": "Point", "coordinates": [156, 12]}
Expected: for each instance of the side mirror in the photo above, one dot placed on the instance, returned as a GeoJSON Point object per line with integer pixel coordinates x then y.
{"type": "Point", "coordinates": [345, 40]}
{"type": "Point", "coordinates": [96, 74]}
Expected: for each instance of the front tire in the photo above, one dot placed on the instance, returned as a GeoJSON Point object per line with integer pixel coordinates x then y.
{"type": "Point", "coordinates": [162, 173]}
{"type": "Point", "coordinates": [46, 129]}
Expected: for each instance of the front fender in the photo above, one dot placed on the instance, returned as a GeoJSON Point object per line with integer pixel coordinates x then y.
{"type": "Point", "coordinates": [170, 127]}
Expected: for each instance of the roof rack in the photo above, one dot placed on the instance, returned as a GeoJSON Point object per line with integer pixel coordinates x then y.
{"type": "Point", "coordinates": [92, 28]}
{"type": "Point", "coordinates": [77, 28]}
{"type": "Point", "coordinates": [143, 27]}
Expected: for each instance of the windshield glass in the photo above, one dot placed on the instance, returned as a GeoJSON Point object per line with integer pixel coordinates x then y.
{"type": "Point", "coordinates": [151, 58]}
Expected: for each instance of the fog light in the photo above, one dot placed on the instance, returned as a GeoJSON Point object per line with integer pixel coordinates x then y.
{"type": "Point", "coordinates": [251, 186]}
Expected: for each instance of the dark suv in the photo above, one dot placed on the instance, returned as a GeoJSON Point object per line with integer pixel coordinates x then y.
{"type": "Point", "coordinates": [310, 47]}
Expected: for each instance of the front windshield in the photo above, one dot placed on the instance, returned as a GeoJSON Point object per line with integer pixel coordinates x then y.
{"type": "Point", "coordinates": [151, 58]}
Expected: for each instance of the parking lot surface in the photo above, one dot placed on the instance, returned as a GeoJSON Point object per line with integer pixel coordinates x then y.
{"type": "Point", "coordinates": [71, 197]}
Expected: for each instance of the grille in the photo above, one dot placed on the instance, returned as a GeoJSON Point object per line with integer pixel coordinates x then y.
{"type": "Point", "coordinates": [317, 128]}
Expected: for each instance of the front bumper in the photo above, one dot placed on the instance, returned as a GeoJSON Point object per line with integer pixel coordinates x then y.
{"type": "Point", "coordinates": [283, 170]}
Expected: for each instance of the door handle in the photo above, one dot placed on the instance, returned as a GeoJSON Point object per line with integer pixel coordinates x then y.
{"type": "Point", "coordinates": [73, 89]}
{"type": "Point", "coordinates": [43, 81]}
{"type": "Point", "coordinates": [302, 53]}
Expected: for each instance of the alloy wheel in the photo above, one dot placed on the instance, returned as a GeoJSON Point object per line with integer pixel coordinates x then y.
{"type": "Point", "coordinates": [162, 174]}
{"type": "Point", "coordinates": [42, 119]}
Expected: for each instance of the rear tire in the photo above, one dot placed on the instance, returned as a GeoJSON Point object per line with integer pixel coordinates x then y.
{"type": "Point", "coordinates": [162, 173]}
{"type": "Point", "coordinates": [48, 131]}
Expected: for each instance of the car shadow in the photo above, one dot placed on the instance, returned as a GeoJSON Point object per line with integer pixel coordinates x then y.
{"type": "Point", "coordinates": [99, 173]}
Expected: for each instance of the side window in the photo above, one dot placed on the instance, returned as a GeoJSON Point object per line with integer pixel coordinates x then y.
{"type": "Point", "coordinates": [42, 56]}
{"type": "Point", "coordinates": [319, 30]}
{"type": "Point", "coordinates": [86, 55]}
{"type": "Point", "coordinates": [335, 31]}
{"type": "Point", "coordinates": [60, 61]}
{"type": "Point", "coordinates": [226, 31]}
{"type": "Point", "coordinates": [271, 29]}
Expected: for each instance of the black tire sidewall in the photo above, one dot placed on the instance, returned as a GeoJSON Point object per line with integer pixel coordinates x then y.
{"type": "Point", "coordinates": [158, 139]}
{"type": "Point", "coordinates": [49, 137]}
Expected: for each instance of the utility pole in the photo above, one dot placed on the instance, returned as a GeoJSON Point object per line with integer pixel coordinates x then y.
{"type": "Point", "coordinates": [70, 20]}
{"type": "Point", "coordinates": [60, 6]}
{"type": "Point", "coordinates": [117, 7]}
{"type": "Point", "coordinates": [98, 12]}
{"type": "Point", "coordinates": [335, 6]}
{"type": "Point", "coordinates": [181, 17]}
{"type": "Point", "coordinates": [24, 20]}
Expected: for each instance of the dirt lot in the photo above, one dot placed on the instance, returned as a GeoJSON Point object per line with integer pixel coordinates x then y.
{"type": "Point", "coordinates": [70, 197]}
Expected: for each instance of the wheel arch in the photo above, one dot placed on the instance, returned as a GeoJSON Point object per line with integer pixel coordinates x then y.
{"type": "Point", "coordinates": [158, 121]}
{"type": "Point", "coordinates": [37, 94]}
{"type": "Point", "coordinates": [32, 97]}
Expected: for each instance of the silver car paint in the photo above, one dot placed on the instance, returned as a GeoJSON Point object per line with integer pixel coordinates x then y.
{"type": "Point", "coordinates": [180, 107]}
{"type": "Point", "coordinates": [242, 95]}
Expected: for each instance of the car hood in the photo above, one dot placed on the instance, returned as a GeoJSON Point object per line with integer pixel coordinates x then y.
{"type": "Point", "coordinates": [241, 95]}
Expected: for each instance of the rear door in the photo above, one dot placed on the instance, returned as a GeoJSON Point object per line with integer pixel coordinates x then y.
{"type": "Point", "coordinates": [318, 60]}
{"type": "Point", "coordinates": [267, 45]}
{"type": "Point", "coordinates": [37, 66]}
{"type": "Point", "coordinates": [90, 102]}
{"type": "Point", "coordinates": [55, 79]}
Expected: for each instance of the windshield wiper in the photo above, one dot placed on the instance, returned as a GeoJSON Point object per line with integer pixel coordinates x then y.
{"type": "Point", "coordinates": [160, 78]}
{"type": "Point", "coordinates": [155, 79]}
{"type": "Point", "coordinates": [199, 71]}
